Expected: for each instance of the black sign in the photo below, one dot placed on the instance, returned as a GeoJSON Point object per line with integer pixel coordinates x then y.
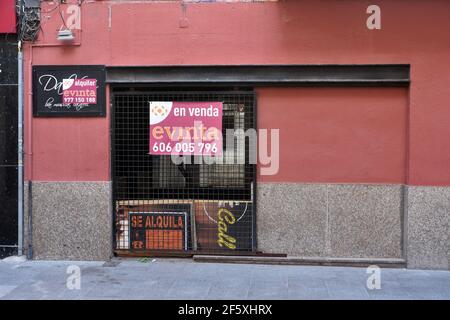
{"type": "Point", "coordinates": [232, 223]}
{"type": "Point", "coordinates": [160, 229]}
{"type": "Point", "coordinates": [87, 101]}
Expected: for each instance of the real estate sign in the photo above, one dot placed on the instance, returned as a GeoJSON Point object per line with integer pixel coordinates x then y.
{"type": "Point", "coordinates": [185, 128]}
{"type": "Point", "coordinates": [69, 91]}
{"type": "Point", "coordinates": [159, 230]}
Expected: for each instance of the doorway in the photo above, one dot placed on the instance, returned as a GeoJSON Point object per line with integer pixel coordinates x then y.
{"type": "Point", "coordinates": [164, 208]}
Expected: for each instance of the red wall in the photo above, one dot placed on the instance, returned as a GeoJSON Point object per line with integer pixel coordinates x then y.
{"type": "Point", "coordinates": [337, 134]}
{"type": "Point", "coordinates": [71, 149]}
{"type": "Point", "coordinates": [286, 32]}
{"type": "Point", "coordinates": [7, 16]}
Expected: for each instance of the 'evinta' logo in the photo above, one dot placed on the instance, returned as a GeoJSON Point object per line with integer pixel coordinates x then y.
{"type": "Point", "coordinates": [67, 83]}
{"type": "Point", "coordinates": [159, 110]}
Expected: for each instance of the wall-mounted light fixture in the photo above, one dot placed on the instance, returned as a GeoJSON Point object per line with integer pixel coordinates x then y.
{"type": "Point", "coordinates": [65, 35]}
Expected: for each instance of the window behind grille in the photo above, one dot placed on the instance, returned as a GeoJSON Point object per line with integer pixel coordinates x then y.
{"type": "Point", "coordinates": [140, 179]}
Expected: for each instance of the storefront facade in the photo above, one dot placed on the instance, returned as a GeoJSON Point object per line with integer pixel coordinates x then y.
{"type": "Point", "coordinates": [362, 172]}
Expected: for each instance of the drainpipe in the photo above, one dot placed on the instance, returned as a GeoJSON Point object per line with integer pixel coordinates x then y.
{"type": "Point", "coordinates": [20, 148]}
{"type": "Point", "coordinates": [29, 152]}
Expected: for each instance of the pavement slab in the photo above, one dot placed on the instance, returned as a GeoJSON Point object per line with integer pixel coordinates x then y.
{"type": "Point", "coordinates": [184, 279]}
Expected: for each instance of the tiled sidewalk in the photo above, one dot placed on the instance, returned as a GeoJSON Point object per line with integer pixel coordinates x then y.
{"type": "Point", "coordinates": [185, 279]}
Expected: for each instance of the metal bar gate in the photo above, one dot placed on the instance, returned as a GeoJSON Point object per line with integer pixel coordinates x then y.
{"type": "Point", "coordinates": [164, 208]}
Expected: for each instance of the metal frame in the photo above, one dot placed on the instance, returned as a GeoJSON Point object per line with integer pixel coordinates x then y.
{"type": "Point", "coordinates": [262, 75]}
{"type": "Point", "coordinates": [196, 90]}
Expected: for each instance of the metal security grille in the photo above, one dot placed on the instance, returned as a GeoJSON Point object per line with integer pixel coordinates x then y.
{"type": "Point", "coordinates": [163, 207]}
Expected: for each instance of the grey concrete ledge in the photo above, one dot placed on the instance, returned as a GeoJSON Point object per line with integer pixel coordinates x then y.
{"type": "Point", "coordinates": [319, 261]}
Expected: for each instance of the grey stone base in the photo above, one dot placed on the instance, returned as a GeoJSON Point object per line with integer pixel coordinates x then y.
{"type": "Point", "coordinates": [70, 221]}
{"type": "Point", "coordinates": [428, 227]}
{"type": "Point", "coordinates": [330, 220]}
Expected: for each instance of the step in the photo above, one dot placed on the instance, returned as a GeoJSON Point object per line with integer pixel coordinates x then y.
{"type": "Point", "coordinates": [316, 261]}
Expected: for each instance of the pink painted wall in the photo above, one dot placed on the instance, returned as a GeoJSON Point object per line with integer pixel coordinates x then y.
{"type": "Point", "coordinates": [7, 16]}
{"type": "Point", "coordinates": [286, 32]}
{"type": "Point", "coordinates": [337, 134]}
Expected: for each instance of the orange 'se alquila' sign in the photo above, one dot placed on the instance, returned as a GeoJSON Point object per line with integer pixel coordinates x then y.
{"type": "Point", "coordinates": [158, 230]}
